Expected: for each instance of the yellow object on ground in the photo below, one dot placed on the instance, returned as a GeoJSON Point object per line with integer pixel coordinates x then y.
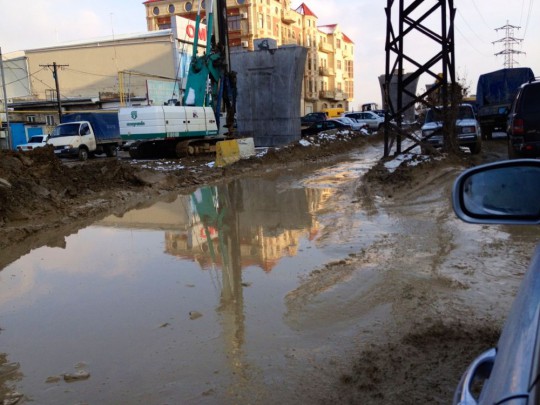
{"type": "Point", "coordinates": [227, 152]}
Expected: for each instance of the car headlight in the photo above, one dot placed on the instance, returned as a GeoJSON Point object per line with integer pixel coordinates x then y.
{"type": "Point", "coordinates": [468, 130]}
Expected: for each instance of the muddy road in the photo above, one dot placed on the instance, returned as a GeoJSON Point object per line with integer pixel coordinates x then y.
{"type": "Point", "coordinates": [324, 283]}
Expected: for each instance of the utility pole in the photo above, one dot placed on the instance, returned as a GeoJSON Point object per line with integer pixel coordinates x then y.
{"type": "Point", "coordinates": [55, 75]}
{"type": "Point", "coordinates": [509, 41]}
{"type": "Point", "coordinates": [8, 128]}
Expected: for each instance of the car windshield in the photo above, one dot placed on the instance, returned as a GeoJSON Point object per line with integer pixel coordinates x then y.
{"type": "Point", "coordinates": [65, 130]}
{"type": "Point", "coordinates": [436, 114]}
{"type": "Point", "coordinates": [36, 139]}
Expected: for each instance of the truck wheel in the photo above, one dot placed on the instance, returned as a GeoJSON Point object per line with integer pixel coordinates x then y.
{"type": "Point", "coordinates": [110, 151]}
{"type": "Point", "coordinates": [83, 154]}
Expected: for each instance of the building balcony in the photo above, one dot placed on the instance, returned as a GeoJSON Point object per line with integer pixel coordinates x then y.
{"type": "Point", "coordinates": [326, 47]}
{"type": "Point", "coordinates": [288, 16]}
{"type": "Point", "coordinates": [336, 95]}
{"type": "Point", "coordinates": [324, 71]}
{"type": "Point", "coordinates": [311, 96]}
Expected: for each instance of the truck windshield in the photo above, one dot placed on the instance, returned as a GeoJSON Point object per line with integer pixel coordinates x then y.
{"type": "Point", "coordinates": [65, 130]}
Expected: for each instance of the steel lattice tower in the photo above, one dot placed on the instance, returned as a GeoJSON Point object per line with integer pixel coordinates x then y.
{"type": "Point", "coordinates": [509, 41]}
{"type": "Point", "coordinates": [412, 17]}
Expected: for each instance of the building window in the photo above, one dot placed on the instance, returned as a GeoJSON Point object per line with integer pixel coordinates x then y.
{"type": "Point", "coordinates": [155, 11]}
{"type": "Point", "coordinates": [308, 41]}
{"type": "Point", "coordinates": [233, 22]}
{"type": "Point", "coordinates": [31, 118]}
{"type": "Point", "coordinates": [261, 21]}
{"type": "Point", "coordinates": [188, 6]}
{"type": "Point", "coordinates": [338, 64]}
{"type": "Point", "coordinates": [338, 43]}
{"type": "Point", "coordinates": [49, 119]}
{"type": "Point", "coordinates": [171, 8]}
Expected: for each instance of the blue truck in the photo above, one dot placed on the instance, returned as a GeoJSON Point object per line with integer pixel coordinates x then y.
{"type": "Point", "coordinates": [87, 133]}
{"type": "Point", "coordinates": [494, 94]}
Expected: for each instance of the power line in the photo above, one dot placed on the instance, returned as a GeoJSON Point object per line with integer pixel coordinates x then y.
{"type": "Point", "coordinates": [531, 3]}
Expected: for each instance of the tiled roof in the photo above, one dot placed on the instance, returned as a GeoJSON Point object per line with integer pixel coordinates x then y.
{"type": "Point", "coordinates": [303, 9]}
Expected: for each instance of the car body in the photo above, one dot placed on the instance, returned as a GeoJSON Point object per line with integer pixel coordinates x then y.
{"type": "Point", "coordinates": [467, 129]}
{"type": "Point", "coordinates": [506, 192]}
{"type": "Point", "coordinates": [310, 118]}
{"type": "Point", "coordinates": [325, 125]}
{"type": "Point", "coordinates": [373, 120]}
{"type": "Point", "coordinates": [36, 141]}
{"type": "Point", "coordinates": [355, 126]}
{"type": "Point", "coordinates": [523, 127]}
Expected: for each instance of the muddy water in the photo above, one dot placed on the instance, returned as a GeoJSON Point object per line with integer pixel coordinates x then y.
{"type": "Point", "coordinates": [250, 292]}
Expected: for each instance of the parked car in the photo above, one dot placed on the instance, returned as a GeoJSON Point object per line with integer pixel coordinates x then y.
{"type": "Point", "coordinates": [373, 120]}
{"type": "Point", "coordinates": [355, 126]}
{"type": "Point", "coordinates": [326, 125]}
{"type": "Point", "coordinates": [310, 118]}
{"type": "Point", "coordinates": [333, 112]}
{"type": "Point", "coordinates": [467, 128]}
{"type": "Point", "coordinates": [523, 127]}
{"type": "Point", "coordinates": [35, 141]}
{"type": "Point", "coordinates": [506, 192]}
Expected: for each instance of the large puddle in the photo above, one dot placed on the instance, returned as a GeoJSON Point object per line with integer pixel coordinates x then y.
{"type": "Point", "coordinates": [182, 302]}
{"type": "Point", "coordinates": [255, 291]}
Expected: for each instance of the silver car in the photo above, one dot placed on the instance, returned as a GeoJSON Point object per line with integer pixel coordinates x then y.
{"type": "Point", "coordinates": [35, 141]}
{"type": "Point", "coordinates": [467, 128]}
{"type": "Point", "coordinates": [372, 120]}
{"type": "Point", "coordinates": [505, 192]}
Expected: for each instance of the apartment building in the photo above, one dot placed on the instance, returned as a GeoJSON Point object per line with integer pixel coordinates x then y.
{"type": "Point", "coordinates": [328, 74]}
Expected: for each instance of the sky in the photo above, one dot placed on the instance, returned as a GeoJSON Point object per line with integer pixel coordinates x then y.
{"type": "Point", "coordinates": [39, 23]}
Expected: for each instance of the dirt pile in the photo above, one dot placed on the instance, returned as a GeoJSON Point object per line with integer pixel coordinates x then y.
{"type": "Point", "coordinates": [36, 182]}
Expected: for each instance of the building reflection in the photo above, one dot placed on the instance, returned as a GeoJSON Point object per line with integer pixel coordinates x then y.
{"type": "Point", "coordinates": [248, 222]}
{"type": "Point", "coordinates": [270, 222]}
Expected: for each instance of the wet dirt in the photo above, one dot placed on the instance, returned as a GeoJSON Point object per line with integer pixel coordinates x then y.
{"type": "Point", "coordinates": [425, 297]}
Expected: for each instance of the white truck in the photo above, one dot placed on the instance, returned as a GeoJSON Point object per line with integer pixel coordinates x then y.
{"type": "Point", "coordinates": [83, 134]}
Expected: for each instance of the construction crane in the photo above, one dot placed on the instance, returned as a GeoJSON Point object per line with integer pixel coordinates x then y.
{"type": "Point", "coordinates": [192, 126]}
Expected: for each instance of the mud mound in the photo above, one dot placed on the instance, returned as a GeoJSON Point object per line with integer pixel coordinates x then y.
{"type": "Point", "coordinates": [36, 181]}
{"type": "Point", "coordinates": [408, 372]}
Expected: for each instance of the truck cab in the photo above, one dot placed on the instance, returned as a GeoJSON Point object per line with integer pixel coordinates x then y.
{"type": "Point", "coordinates": [73, 139]}
{"type": "Point", "coordinates": [84, 134]}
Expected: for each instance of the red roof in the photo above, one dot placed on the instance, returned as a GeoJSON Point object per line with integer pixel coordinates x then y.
{"type": "Point", "coordinates": [347, 39]}
{"type": "Point", "coordinates": [303, 9]}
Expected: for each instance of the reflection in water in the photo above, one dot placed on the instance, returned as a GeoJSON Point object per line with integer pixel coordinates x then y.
{"type": "Point", "coordinates": [230, 227]}
{"type": "Point", "coordinates": [270, 222]}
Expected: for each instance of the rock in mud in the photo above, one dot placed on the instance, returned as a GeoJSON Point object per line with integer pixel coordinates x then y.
{"type": "Point", "coordinates": [77, 376]}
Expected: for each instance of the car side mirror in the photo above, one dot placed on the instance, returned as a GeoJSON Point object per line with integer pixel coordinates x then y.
{"type": "Point", "coordinates": [506, 192]}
